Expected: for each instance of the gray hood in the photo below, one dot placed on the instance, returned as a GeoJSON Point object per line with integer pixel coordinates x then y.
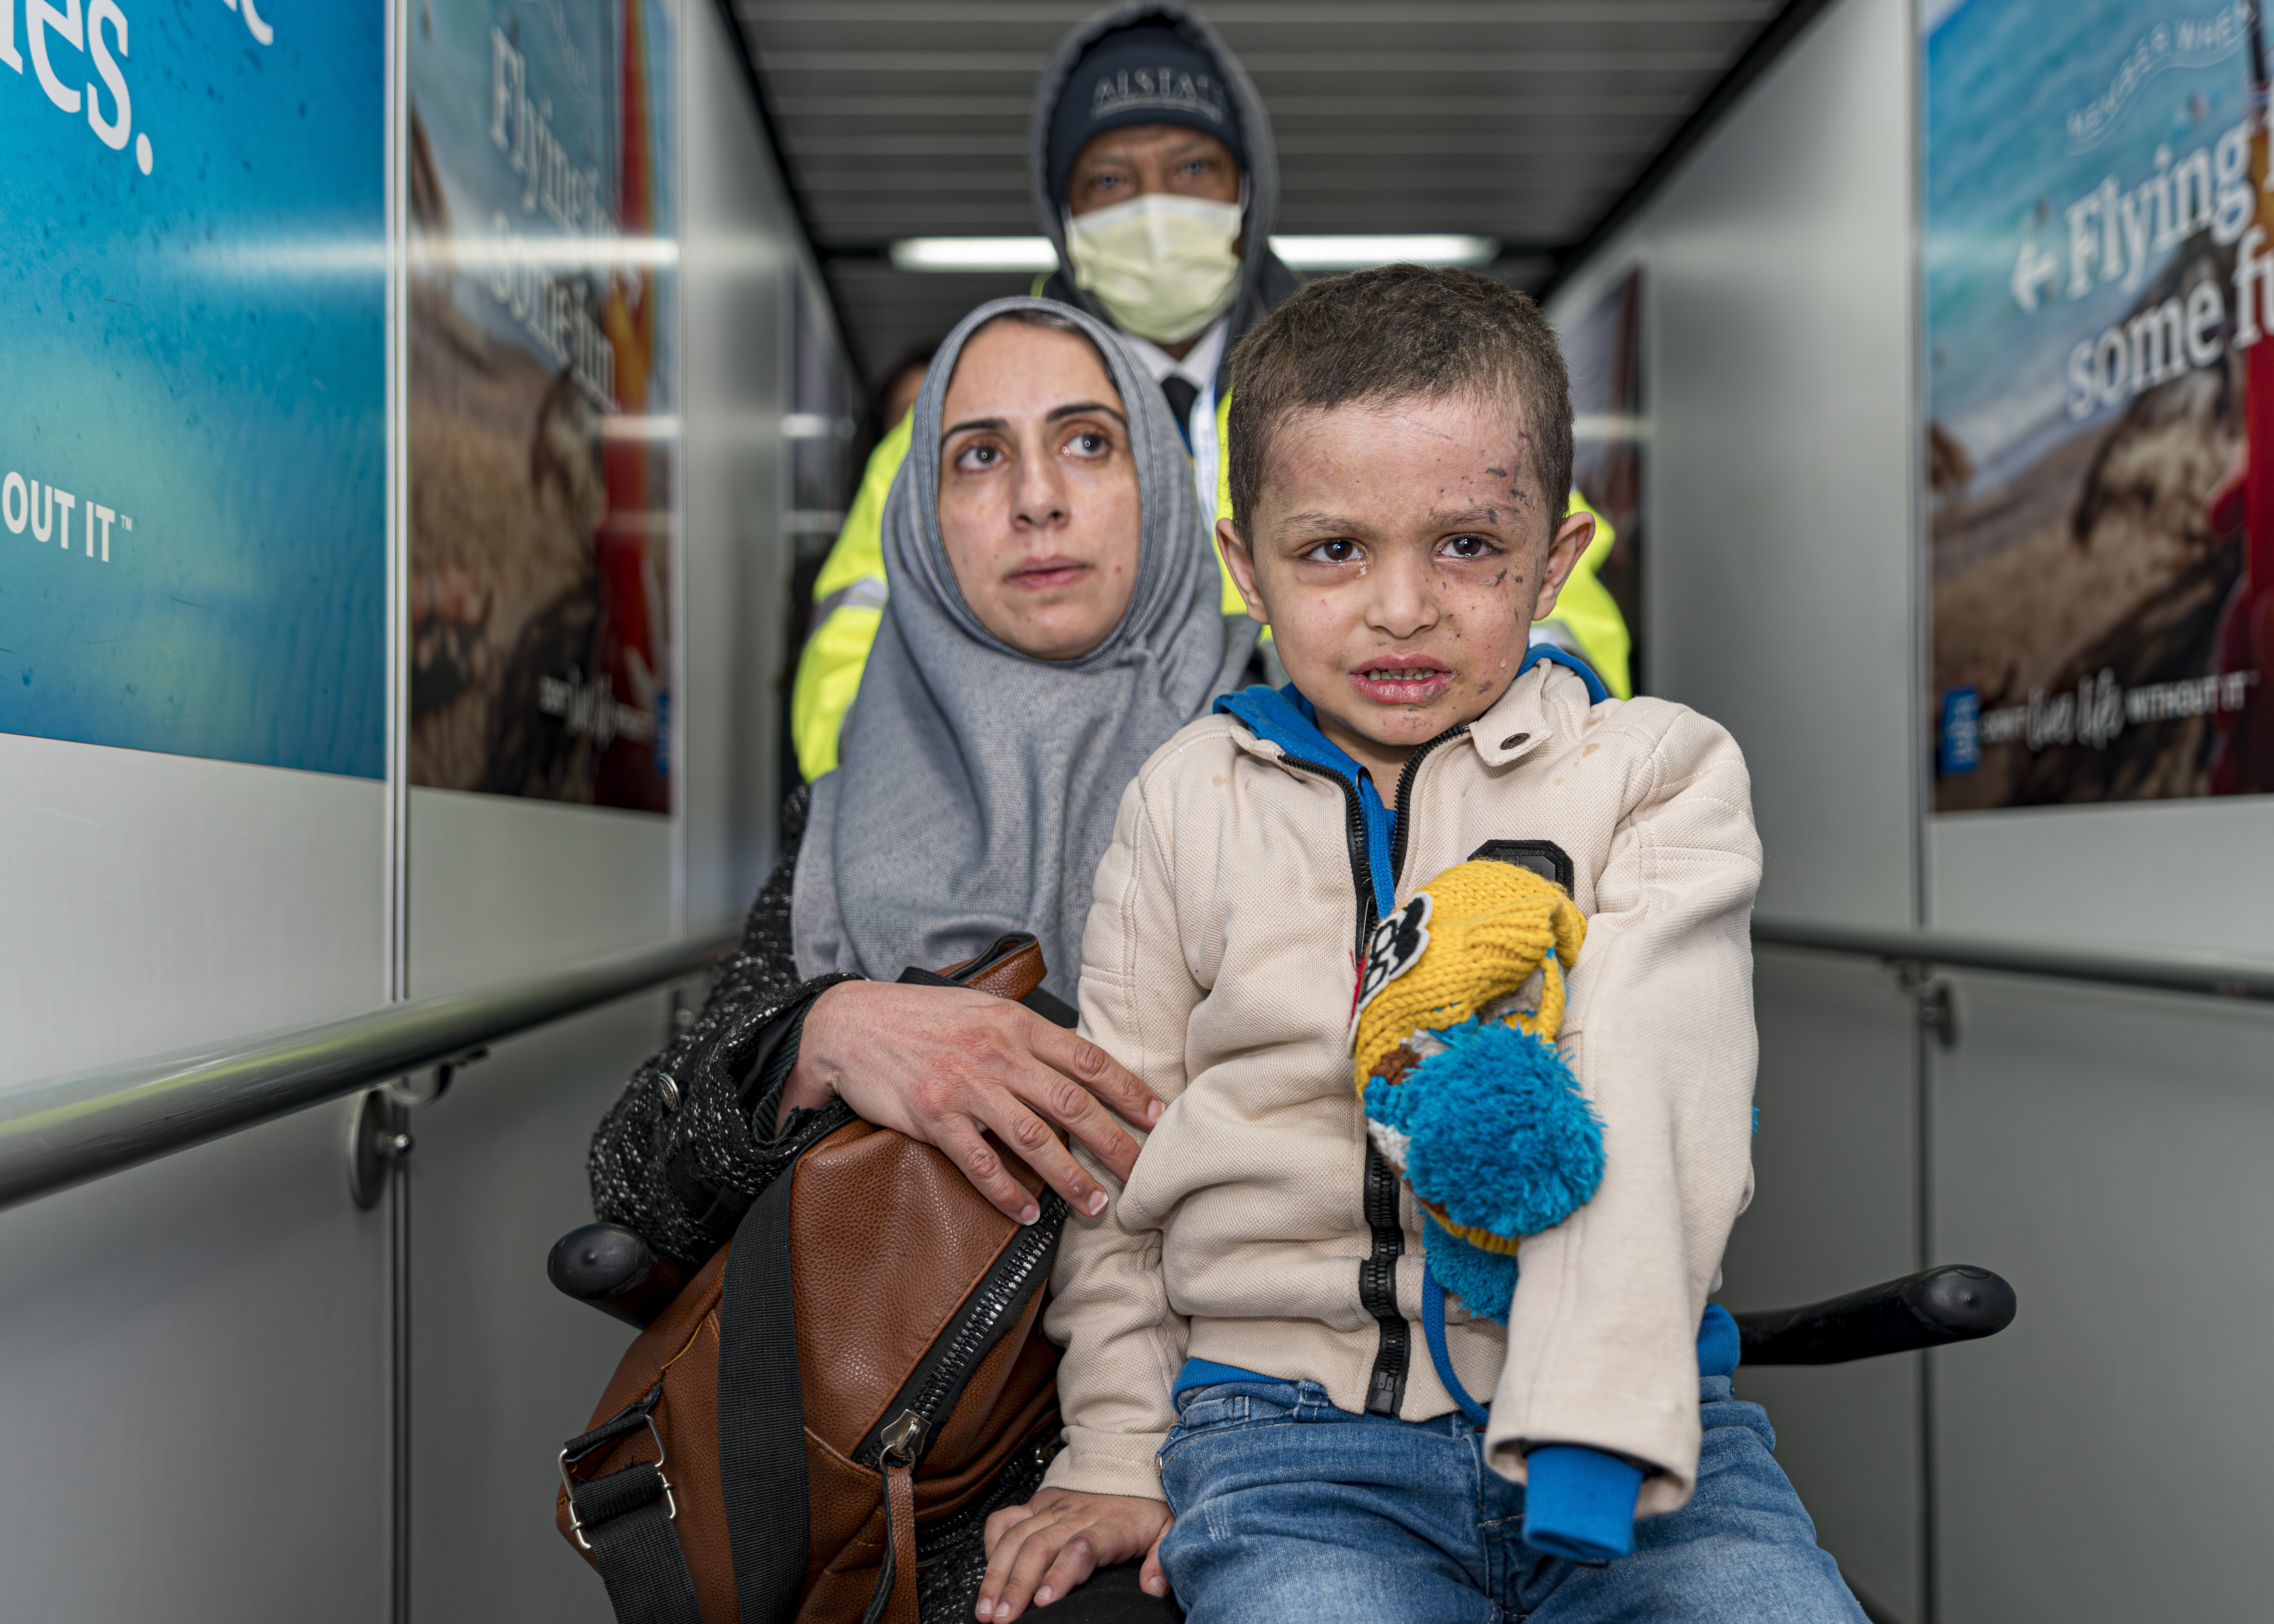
{"type": "Point", "coordinates": [1263, 281]}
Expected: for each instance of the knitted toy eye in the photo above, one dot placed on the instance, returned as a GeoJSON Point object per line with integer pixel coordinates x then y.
{"type": "Point", "coordinates": [1466, 1094]}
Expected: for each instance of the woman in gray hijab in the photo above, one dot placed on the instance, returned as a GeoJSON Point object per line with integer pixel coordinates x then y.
{"type": "Point", "coordinates": [1054, 617]}
{"type": "Point", "coordinates": [986, 755]}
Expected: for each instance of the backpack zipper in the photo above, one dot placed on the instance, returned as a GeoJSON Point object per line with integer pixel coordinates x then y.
{"type": "Point", "coordinates": [993, 1307]}
{"type": "Point", "coordinates": [1022, 1472]}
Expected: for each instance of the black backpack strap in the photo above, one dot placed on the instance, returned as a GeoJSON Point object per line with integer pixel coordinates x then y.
{"type": "Point", "coordinates": [624, 1520]}
{"type": "Point", "coordinates": [761, 1416]}
{"type": "Point", "coordinates": [762, 1413]}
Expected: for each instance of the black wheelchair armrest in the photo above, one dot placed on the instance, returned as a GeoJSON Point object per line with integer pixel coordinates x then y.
{"type": "Point", "coordinates": [616, 1271]}
{"type": "Point", "coordinates": [1955, 1303]}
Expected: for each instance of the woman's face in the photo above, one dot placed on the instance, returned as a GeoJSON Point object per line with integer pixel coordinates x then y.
{"type": "Point", "coordinates": [1038, 498]}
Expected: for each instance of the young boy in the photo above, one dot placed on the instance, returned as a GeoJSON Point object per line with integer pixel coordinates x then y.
{"type": "Point", "coordinates": [1248, 1340]}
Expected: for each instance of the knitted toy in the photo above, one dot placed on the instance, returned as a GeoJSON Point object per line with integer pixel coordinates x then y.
{"type": "Point", "coordinates": [1453, 1036]}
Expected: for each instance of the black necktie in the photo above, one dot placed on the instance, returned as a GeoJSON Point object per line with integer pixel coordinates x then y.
{"type": "Point", "coordinates": [1181, 393]}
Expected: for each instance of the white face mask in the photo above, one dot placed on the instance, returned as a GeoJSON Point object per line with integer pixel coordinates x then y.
{"type": "Point", "coordinates": [1163, 266]}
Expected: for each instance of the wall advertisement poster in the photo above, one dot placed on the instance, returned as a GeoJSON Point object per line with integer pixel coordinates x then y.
{"type": "Point", "coordinates": [193, 407]}
{"type": "Point", "coordinates": [544, 397]}
{"type": "Point", "coordinates": [2098, 277]}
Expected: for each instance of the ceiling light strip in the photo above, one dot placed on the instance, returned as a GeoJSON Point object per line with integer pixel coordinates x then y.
{"type": "Point", "coordinates": [1005, 254]}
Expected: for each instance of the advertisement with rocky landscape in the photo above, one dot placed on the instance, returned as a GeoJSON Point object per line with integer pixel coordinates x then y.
{"type": "Point", "coordinates": [543, 427]}
{"type": "Point", "coordinates": [2098, 277]}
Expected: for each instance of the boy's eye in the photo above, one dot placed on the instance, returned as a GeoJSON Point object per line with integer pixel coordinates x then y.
{"type": "Point", "coordinates": [1468, 547]}
{"type": "Point", "coordinates": [1336, 551]}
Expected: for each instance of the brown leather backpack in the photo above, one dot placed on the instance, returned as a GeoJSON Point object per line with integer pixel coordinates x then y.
{"type": "Point", "coordinates": [839, 1388]}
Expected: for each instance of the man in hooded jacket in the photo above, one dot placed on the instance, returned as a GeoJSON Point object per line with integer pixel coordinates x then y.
{"type": "Point", "coordinates": [1156, 178]}
{"type": "Point", "coordinates": [1181, 263]}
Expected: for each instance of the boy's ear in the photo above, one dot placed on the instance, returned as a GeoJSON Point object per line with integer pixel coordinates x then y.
{"type": "Point", "coordinates": [1238, 559]}
{"type": "Point", "coordinates": [1571, 538]}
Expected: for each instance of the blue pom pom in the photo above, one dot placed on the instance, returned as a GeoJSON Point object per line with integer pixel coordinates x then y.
{"type": "Point", "coordinates": [1497, 1132]}
{"type": "Point", "coordinates": [1484, 1281]}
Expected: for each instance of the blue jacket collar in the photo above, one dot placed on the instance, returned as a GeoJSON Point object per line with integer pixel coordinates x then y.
{"type": "Point", "coordinates": [1596, 692]}
{"type": "Point", "coordinates": [1283, 716]}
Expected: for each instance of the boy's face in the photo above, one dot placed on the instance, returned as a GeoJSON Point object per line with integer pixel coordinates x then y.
{"type": "Point", "coordinates": [1400, 552]}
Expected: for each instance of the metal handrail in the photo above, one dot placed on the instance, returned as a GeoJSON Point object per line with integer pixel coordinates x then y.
{"type": "Point", "coordinates": [69, 1130]}
{"type": "Point", "coordinates": [2160, 969]}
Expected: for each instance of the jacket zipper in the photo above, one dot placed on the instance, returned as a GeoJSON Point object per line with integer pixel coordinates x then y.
{"type": "Point", "coordinates": [1398, 820]}
{"type": "Point", "coordinates": [1377, 1272]}
{"type": "Point", "coordinates": [1386, 1393]}
{"type": "Point", "coordinates": [1355, 840]}
{"type": "Point", "coordinates": [1354, 825]}
{"type": "Point", "coordinates": [993, 1307]}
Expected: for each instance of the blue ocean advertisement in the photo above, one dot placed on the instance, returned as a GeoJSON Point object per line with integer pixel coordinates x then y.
{"type": "Point", "coordinates": [2097, 279]}
{"type": "Point", "coordinates": [193, 405]}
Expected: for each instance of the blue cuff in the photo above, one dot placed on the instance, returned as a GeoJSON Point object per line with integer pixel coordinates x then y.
{"type": "Point", "coordinates": [1200, 1372]}
{"type": "Point", "coordinates": [1718, 1348]}
{"type": "Point", "coordinates": [1578, 1503]}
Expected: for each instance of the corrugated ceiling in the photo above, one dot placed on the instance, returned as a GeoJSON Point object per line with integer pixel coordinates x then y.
{"type": "Point", "coordinates": [1524, 120]}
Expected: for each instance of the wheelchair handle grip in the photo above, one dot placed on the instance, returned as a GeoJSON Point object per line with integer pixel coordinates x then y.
{"type": "Point", "coordinates": [616, 1271]}
{"type": "Point", "coordinates": [1955, 1303]}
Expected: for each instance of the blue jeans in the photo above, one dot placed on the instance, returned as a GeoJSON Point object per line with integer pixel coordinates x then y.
{"type": "Point", "coordinates": [1288, 1509]}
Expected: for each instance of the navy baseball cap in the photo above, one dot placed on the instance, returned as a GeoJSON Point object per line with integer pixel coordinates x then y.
{"type": "Point", "coordinates": [1148, 74]}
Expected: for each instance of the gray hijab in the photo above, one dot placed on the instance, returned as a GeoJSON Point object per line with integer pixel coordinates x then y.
{"type": "Point", "coordinates": [978, 785]}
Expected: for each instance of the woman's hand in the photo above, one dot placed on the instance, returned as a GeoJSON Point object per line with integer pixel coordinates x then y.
{"type": "Point", "coordinates": [947, 1066]}
{"type": "Point", "coordinates": [1055, 1541]}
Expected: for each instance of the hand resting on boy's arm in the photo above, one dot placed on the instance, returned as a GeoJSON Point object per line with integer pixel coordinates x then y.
{"type": "Point", "coordinates": [1042, 1549]}
{"type": "Point", "coordinates": [947, 1066]}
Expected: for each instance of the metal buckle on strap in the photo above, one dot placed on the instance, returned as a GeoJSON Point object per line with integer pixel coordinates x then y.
{"type": "Point", "coordinates": [569, 1483]}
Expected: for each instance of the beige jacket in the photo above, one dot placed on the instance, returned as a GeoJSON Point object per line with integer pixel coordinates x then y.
{"type": "Point", "coordinates": [1217, 966]}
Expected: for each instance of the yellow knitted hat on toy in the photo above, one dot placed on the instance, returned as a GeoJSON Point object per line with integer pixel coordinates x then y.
{"type": "Point", "coordinates": [1491, 927]}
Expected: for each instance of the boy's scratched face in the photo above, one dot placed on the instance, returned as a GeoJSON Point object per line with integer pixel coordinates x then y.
{"type": "Point", "coordinates": [1400, 552]}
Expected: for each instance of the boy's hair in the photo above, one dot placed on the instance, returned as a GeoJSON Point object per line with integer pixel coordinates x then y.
{"type": "Point", "coordinates": [1394, 333]}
